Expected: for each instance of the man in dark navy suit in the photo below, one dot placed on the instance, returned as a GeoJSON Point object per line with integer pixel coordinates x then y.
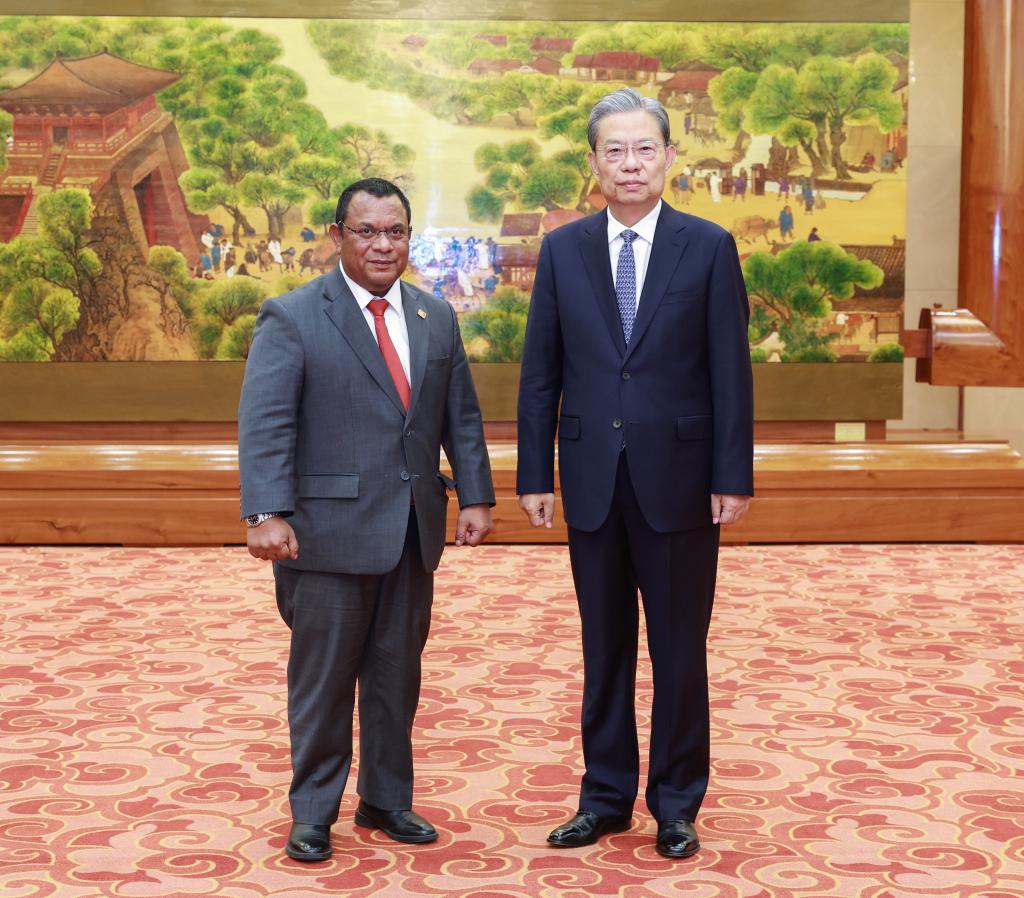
{"type": "Point", "coordinates": [636, 348]}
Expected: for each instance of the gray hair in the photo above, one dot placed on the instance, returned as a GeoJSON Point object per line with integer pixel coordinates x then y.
{"type": "Point", "coordinates": [625, 99]}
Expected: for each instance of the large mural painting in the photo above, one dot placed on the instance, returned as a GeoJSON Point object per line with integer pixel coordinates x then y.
{"type": "Point", "coordinates": [161, 177]}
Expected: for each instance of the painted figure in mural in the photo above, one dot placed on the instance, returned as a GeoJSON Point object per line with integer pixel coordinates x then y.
{"type": "Point", "coordinates": [739, 186]}
{"type": "Point", "coordinates": [636, 348]}
{"type": "Point", "coordinates": [786, 223]}
{"type": "Point", "coordinates": [274, 248]}
{"type": "Point", "coordinates": [807, 194]}
{"type": "Point", "coordinates": [362, 373]}
{"type": "Point", "coordinates": [715, 186]}
{"type": "Point", "coordinates": [686, 185]}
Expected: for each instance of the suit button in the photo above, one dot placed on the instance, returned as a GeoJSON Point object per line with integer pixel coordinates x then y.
{"type": "Point", "coordinates": [617, 423]}
{"type": "Point", "coordinates": [626, 375]}
{"type": "Point", "coordinates": [408, 433]}
{"type": "Point", "coordinates": [404, 475]}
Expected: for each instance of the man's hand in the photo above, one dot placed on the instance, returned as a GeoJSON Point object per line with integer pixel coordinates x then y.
{"type": "Point", "coordinates": [273, 540]}
{"type": "Point", "coordinates": [539, 508]}
{"type": "Point", "coordinates": [728, 509]}
{"type": "Point", "coordinates": [473, 525]}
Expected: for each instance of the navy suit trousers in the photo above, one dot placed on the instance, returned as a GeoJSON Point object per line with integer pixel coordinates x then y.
{"type": "Point", "coordinates": [675, 574]}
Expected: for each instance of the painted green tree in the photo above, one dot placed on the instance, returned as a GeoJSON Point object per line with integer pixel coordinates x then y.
{"type": "Point", "coordinates": [34, 318]}
{"type": "Point", "coordinates": [812, 106]}
{"type": "Point", "coordinates": [322, 213]}
{"type": "Point", "coordinates": [323, 176]}
{"type": "Point", "coordinates": [671, 44]}
{"type": "Point", "coordinates": [168, 275]}
{"type": "Point", "coordinates": [226, 316]}
{"type": "Point", "coordinates": [372, 154]}
{"type": "Point", "coordinates": [237, 338]}
{"type": "Point", "coordinates": [51, 282]}
{"type": "Point", "coordinates": [274, 195]}
{"type": "Point", "coordinates": [220, 107]}
{"type": "Point", "coordinates": [254, 141]}
{"type": "Point", "coordinates": [567, 111]}
{"type": "Point", "coordinates": [501, 325]}
{"type": "Point", "coordinates": [517, 174]}
{"type": "Point", "coordinates": [791, 293]}
{"type": "Point", "coordinates": [730, 92]}
{"type": "Point", "coordinates": [206, 189]}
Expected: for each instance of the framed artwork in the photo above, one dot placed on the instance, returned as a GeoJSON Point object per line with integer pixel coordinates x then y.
{"type": "Point", "coordinates": [161, 177]}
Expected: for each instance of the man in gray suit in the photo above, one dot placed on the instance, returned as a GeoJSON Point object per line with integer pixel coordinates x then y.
{"type": "Point", "coordinates": [354, 382]}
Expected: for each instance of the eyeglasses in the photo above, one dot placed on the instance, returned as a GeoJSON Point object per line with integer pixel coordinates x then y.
{"type": "Point", "coordinates": [645, 152]}
{"type": "Point", "coordinates": [366, 234]}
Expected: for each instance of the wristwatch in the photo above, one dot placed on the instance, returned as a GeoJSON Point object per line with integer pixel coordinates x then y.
{"type": "Point", "coordinates": [254, 520]}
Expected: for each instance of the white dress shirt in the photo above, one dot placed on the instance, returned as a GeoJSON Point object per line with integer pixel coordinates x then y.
{"type": "Point", "coordinates": [641, 246]}
{"type": "Point", "coordinates": [394, 318]}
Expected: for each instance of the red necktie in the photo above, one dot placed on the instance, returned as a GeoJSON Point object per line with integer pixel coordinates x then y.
{"type": "Point", "coordinates": [387, 349]}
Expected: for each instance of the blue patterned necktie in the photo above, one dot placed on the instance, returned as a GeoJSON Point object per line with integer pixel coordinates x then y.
{"type": "Point", "coordinates": [625, 283]}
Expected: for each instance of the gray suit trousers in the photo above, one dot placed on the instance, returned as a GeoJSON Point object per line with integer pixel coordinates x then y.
{"type": "Point", "coordinates": [349, 628]}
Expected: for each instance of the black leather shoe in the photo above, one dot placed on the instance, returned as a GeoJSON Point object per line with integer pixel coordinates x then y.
{"type": "Point", "coordinates": [402, 826]}
{"type": "Point", "coordinates": [586, 828]}
{"type": "Point", "coordinates": [677, 838]}
{"type": "Point", "coordinates": [309, 842]}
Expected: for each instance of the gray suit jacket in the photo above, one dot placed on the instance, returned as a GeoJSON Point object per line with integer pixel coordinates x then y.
{"type": "Point", "coordinates": [323, 438]}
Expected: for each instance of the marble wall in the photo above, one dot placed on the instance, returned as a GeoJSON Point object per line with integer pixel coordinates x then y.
{"type": "Point", "coordinates": [933, 190]}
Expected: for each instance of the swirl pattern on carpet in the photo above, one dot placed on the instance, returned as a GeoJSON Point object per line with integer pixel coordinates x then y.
{"type": "Point", "coordinates": [867, 727]}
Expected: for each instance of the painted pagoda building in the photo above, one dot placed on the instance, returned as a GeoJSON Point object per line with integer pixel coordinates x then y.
{"type": "Point", "coordinates": [94, 123]}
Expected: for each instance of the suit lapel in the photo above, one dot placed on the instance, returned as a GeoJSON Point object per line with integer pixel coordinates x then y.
{"type": "Point", "coordinates": [419, 334]}
{"type": "Point", "coordinates": [669, 244]}
{"type": "Point", "coordinates": [344, 312]}
{"type": "Point", "coordinates": [597, 264]}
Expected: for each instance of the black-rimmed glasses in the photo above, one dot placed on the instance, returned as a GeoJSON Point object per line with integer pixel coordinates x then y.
{"type": "Point", "coordinates": [395, 234]}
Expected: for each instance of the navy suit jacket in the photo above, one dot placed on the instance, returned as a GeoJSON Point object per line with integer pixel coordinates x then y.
{"type": "Point", "coordinates": [679, 396]}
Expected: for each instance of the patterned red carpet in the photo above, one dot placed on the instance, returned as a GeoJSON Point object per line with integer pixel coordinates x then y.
{"type": "Point", "coordinates": [868, 731]}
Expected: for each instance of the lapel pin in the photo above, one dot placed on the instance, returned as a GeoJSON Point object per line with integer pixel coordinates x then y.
{"type": "Point", "coordinates": [421, 313]}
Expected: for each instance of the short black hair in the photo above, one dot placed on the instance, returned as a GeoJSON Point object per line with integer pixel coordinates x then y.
{"type": "Point", "coordinates": [375, 187]}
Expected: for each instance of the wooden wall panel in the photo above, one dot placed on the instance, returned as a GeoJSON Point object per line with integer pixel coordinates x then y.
{"type": "Point", "coordinates": [992, 179]}
{"type": "Point", "coordinates": [187, 494]}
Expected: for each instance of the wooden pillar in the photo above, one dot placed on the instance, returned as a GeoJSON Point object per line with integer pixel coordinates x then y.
{"type": "Point", "coordinates": [981, 343]}
{"type": "Point", "coordinates": [992, 182]}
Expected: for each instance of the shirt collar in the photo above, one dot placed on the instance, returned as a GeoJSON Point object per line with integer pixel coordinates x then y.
{"type": "Point", "coordinates": [644, 228]}
{"type": "Point", "coordinates": [363, 296]}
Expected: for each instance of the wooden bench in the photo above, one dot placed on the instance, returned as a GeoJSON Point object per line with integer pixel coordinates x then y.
{"type": "Point", "coordinates": [179, 492]}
